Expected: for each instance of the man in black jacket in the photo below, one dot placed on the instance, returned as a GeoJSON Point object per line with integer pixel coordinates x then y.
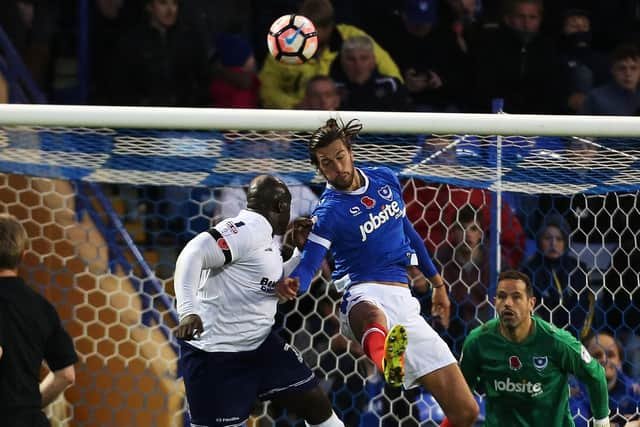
{"type": "Point", "coordinates": [519, 64]}
{"type": "Point", "coordinates": [360, 84]}
{"type": "Point", "coordinates": [30, 333]}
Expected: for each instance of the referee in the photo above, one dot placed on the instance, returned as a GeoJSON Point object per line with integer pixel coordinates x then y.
{"type": "Point", "coordinates": [30, 333]}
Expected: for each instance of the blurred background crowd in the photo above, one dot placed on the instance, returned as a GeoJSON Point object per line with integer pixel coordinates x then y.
{"type": "Point", "coordinates": [554, 57]}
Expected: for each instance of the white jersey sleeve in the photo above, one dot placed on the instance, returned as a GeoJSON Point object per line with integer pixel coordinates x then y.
{"type": "Point", "coordinates": [200, 253]}
{"type": "Point", "coordinates": [292, 262]}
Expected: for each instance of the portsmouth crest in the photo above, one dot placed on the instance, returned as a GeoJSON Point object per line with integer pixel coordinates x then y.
{"type": "Point", "coordinates": [514, 363]}
{"type": "Point", "coordinates": [385, 192]}
{"type": "Point", "coordinates": [540, 362]}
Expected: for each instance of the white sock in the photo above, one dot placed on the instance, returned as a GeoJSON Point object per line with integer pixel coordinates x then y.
{"type": "Point", "coordinates": [332, 421]}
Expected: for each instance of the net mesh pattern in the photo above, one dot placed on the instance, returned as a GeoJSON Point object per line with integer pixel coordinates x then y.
{"type": "Point", "coordinates": [108, 210]}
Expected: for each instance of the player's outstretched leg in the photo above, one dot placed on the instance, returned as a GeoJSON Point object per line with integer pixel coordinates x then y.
{"type": "Point", "coordinates": [450, 389]}
{"type": "Point", "coordinates": [395, 345]}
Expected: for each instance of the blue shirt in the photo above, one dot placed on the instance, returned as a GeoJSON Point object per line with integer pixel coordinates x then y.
{"type": "Point", "coordinates": [366, 231]}
{"type": "Point", "coordinates": [611, 99]}
{"type": "Point", "coordinates": [623, 400]}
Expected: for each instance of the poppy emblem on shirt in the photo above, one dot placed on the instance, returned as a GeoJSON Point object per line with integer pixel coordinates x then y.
{"type": "Point", "coordinates": [222, 244]}
{"type": "Point", "coordinates": [368, 202]}
{"type": "Point", "coordinates": [385, 192]}
{"type": "Point", "coordinates": [355, 211]}
{"type": "Point", "coordinates": [515, 363]}
{"type": "Point", "coordinates": [540, 362]}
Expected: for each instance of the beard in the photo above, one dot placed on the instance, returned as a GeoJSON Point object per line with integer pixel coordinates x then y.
{"type": "Point", "coordinates": [343, 182]}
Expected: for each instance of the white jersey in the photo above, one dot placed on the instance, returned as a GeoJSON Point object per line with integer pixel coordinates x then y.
{"type": "Point", "coordinates": [227, 277]}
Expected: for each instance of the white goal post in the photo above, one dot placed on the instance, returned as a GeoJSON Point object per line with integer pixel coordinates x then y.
{"type": "Point", "coordinates": [301, 120]}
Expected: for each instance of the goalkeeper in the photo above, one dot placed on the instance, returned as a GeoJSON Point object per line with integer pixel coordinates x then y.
{"type": "Point", "coordinates": [522, 363]}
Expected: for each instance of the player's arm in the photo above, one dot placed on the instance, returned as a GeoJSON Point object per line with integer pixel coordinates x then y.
{"type": "Point", "coordinates": [206, 250]}
{"type": "Point", "coordinates": [425, 264]}
{"type": "Point", "coordinates": [60, 356]}
{"type": "Point", "coordinates": [300, 278]}
{"type": "Point", "coordinates": [575, 359]}
{"type": "Point", "coordinates": [315, 248]}
{"type": "Point", "coordinates": [55, 382]}
{"type": "Point", "coordinates": [300, 233]}
{"type": "Point", "coordinates": [440, 304]}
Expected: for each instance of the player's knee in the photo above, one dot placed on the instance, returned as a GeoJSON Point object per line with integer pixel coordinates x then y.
{"type": "Point", "coordinates": [465, 415]}
{"type": "Point", "coordinates": [365, 313]}
{"type": "Point", "coordinates": [315, 406]}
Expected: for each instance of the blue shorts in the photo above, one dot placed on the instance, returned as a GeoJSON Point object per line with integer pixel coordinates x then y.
{"type": "Point", "coordinates": [222, 387]}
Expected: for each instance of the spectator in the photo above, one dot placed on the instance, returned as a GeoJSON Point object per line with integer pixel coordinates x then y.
{"type": "Point", "coordinates": [560, 282]}
{"type": "Point", "coordinates": [519, 64]}
{"type": "Point", "coordinates": [213, 17]}
{"type": "Point", "coordinates": [361, 85]}
{"type": "Point", "coordinates": [593, 218]}
{"type": "Point", "coordinates": [283, 85]}
{"type": "Point", "coordinates": [161, 61]}
{"type": "Point", "coordinates": [624, 392]}
{"type": "Point", "coordinates": [466, 16]}
{"type": "Point", "coordinates": [615, 22]}
{"type": "Point", "coordinates": [321, 94]}
{"type": "Point", "coordinates": [109, 19]}
{"type": "Point", "coordinates": [621, 96]}
{"type": "Point", "coordinates": [432, 56]}
{"type": "Point", "coordinates": [32, 27]}
{"type": "Point", "coordinates": [465, 267]}
{"type": "Point", "coordinates": [622, 295]}
{"type": "Point", "coordinates": [433, 208]}
{"type": "Point", "coordinates": [236, 83]}
{"type": "Point", "coordinates": [587, 68]}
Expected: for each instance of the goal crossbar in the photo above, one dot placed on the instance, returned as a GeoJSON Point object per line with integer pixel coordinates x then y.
{"type": "Point", "coordinates": [304, 120]}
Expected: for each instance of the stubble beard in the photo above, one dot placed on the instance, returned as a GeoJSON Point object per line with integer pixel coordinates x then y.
{"type": "Point", "coordinates": [341, 185]}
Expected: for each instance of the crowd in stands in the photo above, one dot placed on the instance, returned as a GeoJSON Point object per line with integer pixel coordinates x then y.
{"type": "Point", "coordinates": [553, 57]}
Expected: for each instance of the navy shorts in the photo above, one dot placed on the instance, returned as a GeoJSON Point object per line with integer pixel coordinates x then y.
{"type": "Point", "coordinates": [222, 387]}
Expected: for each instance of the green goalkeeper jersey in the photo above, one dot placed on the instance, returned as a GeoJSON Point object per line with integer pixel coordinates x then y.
{"type": "Point", "coordinates": [526, 383]}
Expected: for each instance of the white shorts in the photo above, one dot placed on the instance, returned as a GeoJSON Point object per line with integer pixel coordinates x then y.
{"type": "Point", "coordinates": [426, 350]}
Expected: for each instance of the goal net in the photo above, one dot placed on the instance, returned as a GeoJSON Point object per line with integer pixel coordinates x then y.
{"type": "Point", "coordinates": [109, 196]}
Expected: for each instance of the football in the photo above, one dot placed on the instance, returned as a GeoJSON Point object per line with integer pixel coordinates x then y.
{"type": "Point", "coordinates": [292, 39]}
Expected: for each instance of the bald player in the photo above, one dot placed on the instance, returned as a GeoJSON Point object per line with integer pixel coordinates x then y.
{"type": "Point", "coordinates": [224, 283]}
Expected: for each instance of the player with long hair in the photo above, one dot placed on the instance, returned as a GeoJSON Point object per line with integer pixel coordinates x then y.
{"type": "Point", "coordinates": [361, 219]}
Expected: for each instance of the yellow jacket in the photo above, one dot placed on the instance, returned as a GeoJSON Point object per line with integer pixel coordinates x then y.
{"type": "Point", "coordinates": [283, 86]}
